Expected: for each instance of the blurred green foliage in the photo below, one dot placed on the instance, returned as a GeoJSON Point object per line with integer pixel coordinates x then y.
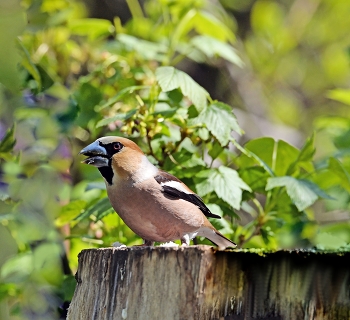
{"type": "Point", "coordinates": [66, 79]}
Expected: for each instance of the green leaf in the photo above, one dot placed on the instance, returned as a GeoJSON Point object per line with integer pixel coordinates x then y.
{"type": "Point", "coordinates": [226, 183]}
{"type": "Point", "coordinates": [29, 65]}
{"type": "Point", "coordinates": [303, 193]}
{"type": "Point", "coordinates": [277, 155]}
{"type": "Point", "coordinates": [8, 141]}
{"type": "Point", "coordinates": [222, 225]}
{"type": "Point", "coordinates": [119, 116]}
{"type": "Point", "coordinates": [170, 78]}
{"type": "Point", "coordinates": [341, 95]}
{"type": "Point", "coordinates": [87, 97]}
{"type": "Point", "coordinates": [70, 211]}
{"type": "Point", "coordinates": [120, 95]}
{"type": "Point", "coordinates": [328, 241]}
{"type": "Point", "coordinates": [285, 155]}
{"type": "Point", "coordinates": [46, 80]}
{"type": "Point", "coordinates": [336, 167]}
{"type": "Point", "coordinates": [92, 28]}
{"type": "Point", "coordinates": [220, 121]}
{"type": "Point", "coordinates": [212, 47]}
{"type": "Point", "coordinates": [305, 157]}
{"type": "Point", "coordinates": [147, 49]}
{"type": "Point", "coordinates": [100, 209]}
{"type": "Point", "coordinates": [215, 150]}
{"type": "Point", "coordinates": [262, 148]}
{"type": "Point", "coordinates": [255, 177]}
{"type": "Point", "coordinates": [308, 150]}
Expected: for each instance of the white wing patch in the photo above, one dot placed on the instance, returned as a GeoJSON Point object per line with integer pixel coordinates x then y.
{"type": "Point", "coordinates": [176, 185]}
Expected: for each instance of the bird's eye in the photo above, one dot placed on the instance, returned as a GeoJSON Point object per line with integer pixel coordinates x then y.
{"type": "Point", "coordinates": [117, 146]}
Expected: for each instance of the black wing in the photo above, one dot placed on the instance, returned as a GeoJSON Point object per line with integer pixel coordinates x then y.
{"type": "Point", "coordinates": [178, 194]}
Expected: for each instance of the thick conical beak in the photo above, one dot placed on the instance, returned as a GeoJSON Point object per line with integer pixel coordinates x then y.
{"type": "Point", "coordinates": [97, 155]}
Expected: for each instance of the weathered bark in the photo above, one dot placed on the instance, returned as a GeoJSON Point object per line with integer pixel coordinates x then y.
{"type": "Point", "coordinates": [198, 282]}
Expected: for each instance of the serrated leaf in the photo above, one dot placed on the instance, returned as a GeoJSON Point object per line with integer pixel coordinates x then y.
{"type": "Point", "coordinates": [170, 78]}
{"type": "Point", "coordinates": [69, 212]}
{"type": "Point", "coordinates": [119, 116]}
{"type": "Point", "coordinates": [100, 209]}
{"type": "Point", "coordinates": [8, 141]}
{"type": "Point", "coordinates": [303, 193]}
{"type": "Point", "coordinates": [220, 121]}
{"type": "Point", "coordinates": [212, 47]}
{"type": "Point", "coordinates": [226, 183]}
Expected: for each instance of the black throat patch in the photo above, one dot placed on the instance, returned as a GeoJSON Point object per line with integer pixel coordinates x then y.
{"type": "Point", "coordinates": [107, 173]}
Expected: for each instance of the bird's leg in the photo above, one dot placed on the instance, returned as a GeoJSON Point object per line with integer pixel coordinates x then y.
{"type": "Point", "coordinates": [185, 240]}
{"type": "Point", "coordinates": [146, 243]}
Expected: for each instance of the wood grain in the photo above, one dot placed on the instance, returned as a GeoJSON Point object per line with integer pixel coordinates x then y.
{"type": "Point", "coordinates": [198, 282]}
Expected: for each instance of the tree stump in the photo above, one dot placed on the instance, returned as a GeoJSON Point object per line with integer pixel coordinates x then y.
{"type": "Point", "coordinates": [198, 282]}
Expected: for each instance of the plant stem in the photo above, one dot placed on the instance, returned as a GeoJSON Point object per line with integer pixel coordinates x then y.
{"type": "Point", "coordinates": [135, 8]}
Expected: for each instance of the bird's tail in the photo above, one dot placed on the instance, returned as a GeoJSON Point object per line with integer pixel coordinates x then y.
{"type": "Point", "coordinates": [216, 237]}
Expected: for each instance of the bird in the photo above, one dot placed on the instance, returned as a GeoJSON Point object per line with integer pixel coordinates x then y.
{"type": "Point", "coordinates": [154, 204]}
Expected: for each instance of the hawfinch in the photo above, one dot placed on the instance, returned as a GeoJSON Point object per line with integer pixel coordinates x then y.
{"type": "Point", "coordinates": [153, 203]}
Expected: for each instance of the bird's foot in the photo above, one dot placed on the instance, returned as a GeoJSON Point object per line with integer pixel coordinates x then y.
{"type": "Point", "coordinates": [147, 243]}
{"type": "Point", "coordinates": [185, 240]}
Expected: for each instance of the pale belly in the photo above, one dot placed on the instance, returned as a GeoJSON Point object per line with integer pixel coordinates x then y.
{"type": "Point", "coordinates": [154, 217]}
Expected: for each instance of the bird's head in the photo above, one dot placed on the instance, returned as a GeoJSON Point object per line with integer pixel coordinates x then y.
{"type": "Point", "coordinates": [113, 155]}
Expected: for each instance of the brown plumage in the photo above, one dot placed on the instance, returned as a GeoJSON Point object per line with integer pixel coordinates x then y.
{"type": "Point", "coordinates": [154, 204]}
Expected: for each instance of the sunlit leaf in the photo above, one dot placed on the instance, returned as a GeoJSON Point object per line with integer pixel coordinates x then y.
{"type": "Point", "coordinates": [341, 95]}
{"type": "Point", "coordinates": [328, 241]}
{"type": "Point", "coordinates": [207, 24]}
{"type": "Point", "coordinates": [170, 78]}
{"type": "Point", "coordinates": [303, 193]}
{"type": "Point", "coordinates": [70, 211]}
{"type": "Point", "coordinates": [92, 28]}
